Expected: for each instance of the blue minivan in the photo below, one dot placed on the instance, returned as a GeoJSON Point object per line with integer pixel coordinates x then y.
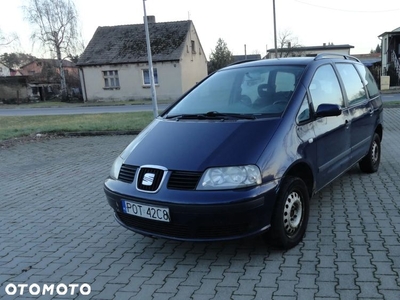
{"type": "Point", "coordinates": [243, 151]}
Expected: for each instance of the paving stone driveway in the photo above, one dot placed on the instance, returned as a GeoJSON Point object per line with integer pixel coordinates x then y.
{"type": "Point", "coordinates": [56, 227]}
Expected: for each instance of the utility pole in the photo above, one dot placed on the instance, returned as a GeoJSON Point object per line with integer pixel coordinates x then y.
{"type": "Point", "coordinates": [149, 58]}
{"type": "Point", "coordinates": [276, 46]}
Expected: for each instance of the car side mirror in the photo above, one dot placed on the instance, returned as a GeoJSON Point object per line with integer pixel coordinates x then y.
{"type": "Point", "coordinates": [328, 110]}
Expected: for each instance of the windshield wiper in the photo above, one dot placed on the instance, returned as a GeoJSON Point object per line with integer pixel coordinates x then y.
{"type": "Point", "coordinates": [186, 116]}
{"type": "Point", "coordinates": [212, 115]}
{"type": "Point", "coordinates": [230, 115]}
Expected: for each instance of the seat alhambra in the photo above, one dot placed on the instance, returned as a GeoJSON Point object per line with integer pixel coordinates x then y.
{"type": "Point", "coordinates": [243, 151]}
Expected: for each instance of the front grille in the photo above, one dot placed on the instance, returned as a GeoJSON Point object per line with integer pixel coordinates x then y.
{"type": "Point", "coordinates": [127, 173]}
{"type": "Point", "coordinates": [149, 179]}
{"type": "Point", "coordinates": [180, 180]}
{"type": "Point", "coordinates": [184, 231]}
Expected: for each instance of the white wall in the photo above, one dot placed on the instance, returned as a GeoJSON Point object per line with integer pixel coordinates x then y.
{"type": "Point", "coordinates": [305, 53]}
{"type": "Point", "coordinates": [131, 82]}
{"type": "Point", "coordinates": [194, 63]}
{"type": "Point", "coordinates": [4, 71]}
{"type": "Point", "coordinates": [384, 54]}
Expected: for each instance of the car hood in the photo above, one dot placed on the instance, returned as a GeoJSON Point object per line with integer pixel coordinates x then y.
{"type": "Point", "coordinates": [194, 145]}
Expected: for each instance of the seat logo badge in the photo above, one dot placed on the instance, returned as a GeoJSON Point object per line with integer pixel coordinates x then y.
{"type": "Point", "coordinates": [148, 179]}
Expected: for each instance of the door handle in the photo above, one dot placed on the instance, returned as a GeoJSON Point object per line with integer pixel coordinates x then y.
{"type": "Point", "coordinates": [371, 112]}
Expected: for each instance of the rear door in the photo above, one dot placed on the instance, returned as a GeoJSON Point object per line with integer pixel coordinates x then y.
{"type": "Point", "coordinates": [332, 134]}
{"type": "Point", "coordinates": [360, 109]}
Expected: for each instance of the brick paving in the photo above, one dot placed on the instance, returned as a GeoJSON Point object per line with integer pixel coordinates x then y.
{"type": "Point", "coordinates": [56, 227]}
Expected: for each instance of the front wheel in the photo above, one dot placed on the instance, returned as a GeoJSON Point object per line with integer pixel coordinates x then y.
{"type": "Point", "coordinates": [290, 216]}
{"type": "Point", "coordinates": [370, 163]}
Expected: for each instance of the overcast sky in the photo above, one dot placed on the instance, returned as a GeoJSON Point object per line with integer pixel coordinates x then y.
{"type": "Point", "coordinates": [250, 22]}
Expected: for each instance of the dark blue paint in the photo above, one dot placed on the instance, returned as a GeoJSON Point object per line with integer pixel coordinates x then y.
{"type": "Point", "coordinates": [325, 146]}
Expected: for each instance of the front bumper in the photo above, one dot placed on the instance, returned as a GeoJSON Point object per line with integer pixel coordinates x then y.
{"type": "Point", "coordinates": [219, 220]}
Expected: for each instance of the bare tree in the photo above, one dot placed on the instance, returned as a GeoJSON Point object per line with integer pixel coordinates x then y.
{"type": "Point", "coordinates": [6, 40]}
{"type": "Point", "coordinates": [55, 25]}
{"type": "Point", "coordinates": [288, 44]}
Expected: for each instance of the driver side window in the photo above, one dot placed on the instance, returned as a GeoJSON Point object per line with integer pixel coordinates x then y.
{"type": "Point", "coordinates": [325, 88]}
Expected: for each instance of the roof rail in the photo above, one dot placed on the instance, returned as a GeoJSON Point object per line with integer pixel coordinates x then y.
{"type": "Point", "coordinates": [335, 55]}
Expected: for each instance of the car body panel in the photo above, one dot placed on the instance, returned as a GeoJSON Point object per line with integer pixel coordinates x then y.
{"type": "Point", "coordinates": [332, 137]}
{"type": "Point", "coordinates": [194, 145]}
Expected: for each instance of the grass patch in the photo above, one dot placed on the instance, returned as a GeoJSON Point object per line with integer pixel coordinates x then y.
{"type": "Point", "coordinates": [46, 104]}
{"type": "Point", "coordinates": [12, 127]}
{"type": "Point", "coordinates": [19, 126]}
{"type": "Point", "coordinates": [390, 104]}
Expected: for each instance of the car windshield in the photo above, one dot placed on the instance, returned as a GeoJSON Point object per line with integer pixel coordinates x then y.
{"type": "Point", "coordinates": [242, 91]}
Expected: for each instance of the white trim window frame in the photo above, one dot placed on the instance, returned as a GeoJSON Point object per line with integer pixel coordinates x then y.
{"type": "Point", "coordinates": [111, 79]}
{"type": "Point", "coordinates": [146, 77]}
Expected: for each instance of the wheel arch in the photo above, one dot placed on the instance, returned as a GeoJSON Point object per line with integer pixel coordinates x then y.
{"type": "Point", "coordinates": [303, 171]}
{"type": "Point", "coordinates": [379, 131]}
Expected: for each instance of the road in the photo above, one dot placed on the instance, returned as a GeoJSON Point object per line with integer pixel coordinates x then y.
{"type": "Point", "coordinates": [110, 109]}
{"type": "Point", "coordinates": [57, 228]}
{"type": "Point", "coordinates": [391, 97]}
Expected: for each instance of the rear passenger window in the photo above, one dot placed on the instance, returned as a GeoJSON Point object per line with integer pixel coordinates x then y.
{"type": "Point", "coordinates": [352, 82]}
{"type": "Point", "coordinates": [369, 81]}
{"type": "Point", "coordinates": [325, 88]}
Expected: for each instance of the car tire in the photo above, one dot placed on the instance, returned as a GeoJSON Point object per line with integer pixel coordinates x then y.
{"type": "Point", "coordinates": [290, 216]}
{"type": "Point", "coordinates": [370, 163]}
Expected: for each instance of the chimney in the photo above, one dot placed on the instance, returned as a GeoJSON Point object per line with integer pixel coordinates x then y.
{"type": "Point", "coordinates": [324, 44]}
{"type": "Point", "coordinates": [151, 19]}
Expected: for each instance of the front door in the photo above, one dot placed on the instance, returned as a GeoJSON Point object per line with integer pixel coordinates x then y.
{"type": "Point", "coordinates": [332, 134]}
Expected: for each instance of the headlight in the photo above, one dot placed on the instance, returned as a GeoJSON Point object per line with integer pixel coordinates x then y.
{"type": "Point", "coordinates": [230, 178]}
{"type": "Point", "coordinates": [116, 167]}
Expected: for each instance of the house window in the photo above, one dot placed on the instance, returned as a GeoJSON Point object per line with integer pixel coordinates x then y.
{"type": "Point", "coordinates": [111, 79]}
{"type": "Point", "coordinates": [146, 76]}
{"type": "Point", "coordinates": [193, 47]}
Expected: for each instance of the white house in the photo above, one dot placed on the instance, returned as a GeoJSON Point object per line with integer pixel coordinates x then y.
{"type": "Point", "coordinates": [309, 50]}
{"type": "Point", "coordinates": [4, 70]}
{"type": "Point", "coordinates": [114, 65]}
{"type": "Point", "coordinates": [390, 47]}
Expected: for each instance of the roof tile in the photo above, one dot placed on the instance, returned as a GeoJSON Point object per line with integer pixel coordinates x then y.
{"type": "Point", "coordinates": [127, 43]}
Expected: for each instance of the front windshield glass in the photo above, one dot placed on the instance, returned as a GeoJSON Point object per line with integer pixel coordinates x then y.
{"type": "Point", "coordinates": [258, 91]}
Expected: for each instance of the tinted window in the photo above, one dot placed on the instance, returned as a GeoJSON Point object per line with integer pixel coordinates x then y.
{"type": "Point", "coordinates": [325, 88]}
{"type": "Point", "coordinates": [352, 82]}
{"type": "Point", "coordinates": [369, 80]}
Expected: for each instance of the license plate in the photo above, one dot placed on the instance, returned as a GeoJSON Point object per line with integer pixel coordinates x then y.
{"type": "Point", "coordinates": [146, 211]}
